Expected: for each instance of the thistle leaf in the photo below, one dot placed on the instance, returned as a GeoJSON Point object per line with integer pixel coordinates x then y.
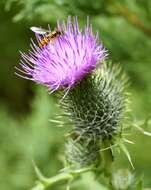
{"type": "Point", "coordinates": [126, 152]}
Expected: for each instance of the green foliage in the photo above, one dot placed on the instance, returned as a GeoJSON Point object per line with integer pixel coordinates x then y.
{"type": "Point", "coordinates": [32, 138]}
{"type": "Point", "coordinates": [45, 9]}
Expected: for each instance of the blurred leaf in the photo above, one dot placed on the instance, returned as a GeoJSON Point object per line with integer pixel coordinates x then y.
{"type": "Point", "coordinates": [139, 184]}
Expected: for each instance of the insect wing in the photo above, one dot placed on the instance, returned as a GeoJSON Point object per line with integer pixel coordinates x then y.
{"type": "Point", "coordinates": [39, 30]}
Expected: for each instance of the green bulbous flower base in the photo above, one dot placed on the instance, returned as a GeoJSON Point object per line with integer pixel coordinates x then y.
{"type": "Point", "coordinates": [95, 107]}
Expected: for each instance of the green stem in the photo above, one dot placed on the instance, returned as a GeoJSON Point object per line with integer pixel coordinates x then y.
{"type": "Point", "coordinates": [65, 176]}
{"type": "Point", "coordinates": [57, 178]}
{"type": "Point", "coordinates": [107, 158]}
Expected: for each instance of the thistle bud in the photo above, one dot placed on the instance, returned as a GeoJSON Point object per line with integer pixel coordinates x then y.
{"type": "Point", "coordinates": [96, 108]}
{"type": "Point", "coordinates": [96, 105]}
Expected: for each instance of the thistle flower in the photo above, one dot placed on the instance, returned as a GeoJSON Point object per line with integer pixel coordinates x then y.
{"type": "Point", "coordinates": [95, 106]}
{"type": "Point", "coordinates": [65, 61]}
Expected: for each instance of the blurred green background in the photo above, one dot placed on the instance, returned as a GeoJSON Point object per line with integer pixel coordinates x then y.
{"type": "Point", "coordinates": [25, 108]}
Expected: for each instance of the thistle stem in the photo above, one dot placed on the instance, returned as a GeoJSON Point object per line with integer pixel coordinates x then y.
{"type": "Point", "coordinates": [107, 158]}
{"type": "Point", "coordinates": [65, 176]}
{"type": "Point", "coordinates": [58, 178]}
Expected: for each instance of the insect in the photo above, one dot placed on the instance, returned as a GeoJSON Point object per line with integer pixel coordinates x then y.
{"type": "Point", "coordinates": [48, 36]}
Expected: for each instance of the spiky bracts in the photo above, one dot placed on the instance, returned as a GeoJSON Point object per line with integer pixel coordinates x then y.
{"type": "Point", "coordinates": [82, 152]}
{"type": "Point", "coordinates": [96, 108]}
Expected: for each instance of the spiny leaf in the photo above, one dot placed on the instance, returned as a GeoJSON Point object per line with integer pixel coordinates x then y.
{"type": "Point", "coordinates": [126, 152]}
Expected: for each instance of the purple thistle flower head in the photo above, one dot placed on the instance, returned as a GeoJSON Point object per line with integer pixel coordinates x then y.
{"type": "Point", "coordinates": [65, 60]}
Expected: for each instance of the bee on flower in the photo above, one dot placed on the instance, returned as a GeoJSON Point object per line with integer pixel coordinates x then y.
{"type": "Point", "coordinates": [49, 37]}
{"type": "Point", "coordinates": [62, 57]}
